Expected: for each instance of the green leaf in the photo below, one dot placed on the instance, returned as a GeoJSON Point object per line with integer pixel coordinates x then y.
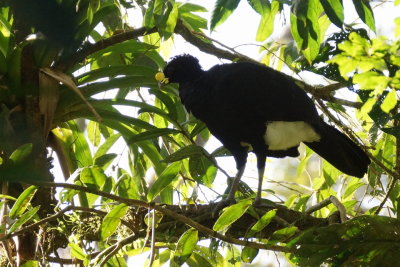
{"type": "Point", "coordinates": [113, 71]}
{"type": "Point", "coordinates": [23, 219]}
{"type": "Point", "coordinates": [163, 180]}
{"type": "Point", "coordinates": [283, 234]}
{"type": "Point", "coordinates": [112, 220]}
{"type": "Point", "coordinates": [77, 252]}
{"type": "Point", "coordinates": [167, 29]}
{"type": "Point", "coordinates": [189, 7]}
{"type": "Point", "coordinates": [103, 149]}
{"type": "Point", "coordinates": [105, 160]}
{"type": "Point", "coordinates": [151, 134]}
{"type": "Point", "coordinates": [93, 132]}
{"type": "Point", "coordinates": [21, 153]}
{"type": "Point", "coordinates": [92, 177]}
{"type": "Point", "coordinates": [390, 101]}
{"type": "Point", "coordinates": [365, 12]}
{"type": "Point", "coordinates": [371, 80]}
{"type": "Point", "coordinates": [222, 10]}
{"type": "Point", "coordinates": [23, 201]}
{"type": "Point", "coordinates": [231, 214]}
{"type": "Point", "coordinates": [266, 26]}
{"type": "Point", "coordinates": [81, 147]}
{"type": "Point", "coordinates": [126, 186]}
{"type": "Point", "coordinates": [30, 263]}
{"type": "Point", "coordinates": [185, 246]}
{"type": "Point", "coordinates": [260, 6]}
{"type": "Point", "coordinates": [334, 11]}
{"type": "Point", "coordinates": [305, 27]}
{"type": "Point", "coordinates": [185, 152]}
{"type": "Point", "coordinates": [248, 254]}
{"type": "Point", "coordinates": [262, 223]}
{"type": "Point", "coordinates": [202, 170]}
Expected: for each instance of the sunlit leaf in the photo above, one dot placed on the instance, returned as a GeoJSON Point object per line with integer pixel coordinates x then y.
{"type": "Point", "coordinates": [305, 28]}
{"type": "Point", "coordinates": [163, 180]}
{"type": "Point", "coordinates": [22, 202]}
{"type": "Point", "coordinates": [262, 223]}
{"type": "Point", "coordinates": [21, 153]}
{"type": "Point", "coordinates": [231, 214]}
{"type": "Point", "coordinates": [112, 220]}
{"type": "Point", "coordinates": [334, 10]}
{"type": "Point", "coordinates": [390, 101]}
{"type": "Point", "coordinates": [185, 246]}
{"type": "Point", "coordinates": [76, 251]}
{"type": "Point", "coordinates": [365, 12]}
{"type": "Point", "coordinates": [266, 26]}
{"type": "Point", "coordinates": [23, 219]}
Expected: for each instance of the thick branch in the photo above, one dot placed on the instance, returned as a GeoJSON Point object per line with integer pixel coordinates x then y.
{"type": "Point", "coordinates": [200, 218]}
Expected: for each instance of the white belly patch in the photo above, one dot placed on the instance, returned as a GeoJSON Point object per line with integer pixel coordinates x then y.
{"type": "Point", "coordinates": [281, 135]}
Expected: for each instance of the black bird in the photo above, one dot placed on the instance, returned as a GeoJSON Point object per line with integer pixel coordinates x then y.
{"type": "Point", "coordinates": [250, 107]}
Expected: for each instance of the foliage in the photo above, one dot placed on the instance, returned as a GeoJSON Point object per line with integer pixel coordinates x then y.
{"type": "Point", "coordinates": [79, 82]}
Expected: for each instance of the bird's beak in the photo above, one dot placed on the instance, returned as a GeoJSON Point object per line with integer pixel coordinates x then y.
{"type": "Point", "coordinates": [160, 77]}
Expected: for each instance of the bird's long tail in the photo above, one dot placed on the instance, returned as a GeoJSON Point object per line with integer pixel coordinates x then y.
{"type": "Point", "coordinates": [340, 151]}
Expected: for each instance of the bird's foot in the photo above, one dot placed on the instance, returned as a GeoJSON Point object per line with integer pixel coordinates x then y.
{"type": "Point", "coordinates": [222, 204]}
{"type": "Point", "coordinates": [257, 202]}
{"type": "Point", "coordinates": [263, 203]}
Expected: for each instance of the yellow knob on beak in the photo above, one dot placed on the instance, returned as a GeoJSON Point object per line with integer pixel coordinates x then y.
{"type": "Point", "coordinates": [160, 77]}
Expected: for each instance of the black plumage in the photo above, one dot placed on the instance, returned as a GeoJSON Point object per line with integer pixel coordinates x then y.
{"type": "Point", "coordinates": [250, 106]}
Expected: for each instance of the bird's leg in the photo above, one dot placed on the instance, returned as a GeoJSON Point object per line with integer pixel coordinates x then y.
{"type": "Point", "coordinates": [235, 184]}
{"type": "Point", "coordinates": [230, 199]}
{"type": "Point", "coordinates": [261, 158]}
{"type": "Point", "coordinates": [257, 200]}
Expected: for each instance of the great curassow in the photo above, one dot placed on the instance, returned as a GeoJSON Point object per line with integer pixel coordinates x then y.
{"type": "Point", "coordinates": [250, 107]}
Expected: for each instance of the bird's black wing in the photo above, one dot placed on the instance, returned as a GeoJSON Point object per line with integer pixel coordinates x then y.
{"type": "Point", "coordinates": [246, 91]}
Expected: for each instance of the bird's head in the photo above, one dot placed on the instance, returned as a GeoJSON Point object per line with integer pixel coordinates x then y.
{"type": "Point", "coordinates": [182, 68]}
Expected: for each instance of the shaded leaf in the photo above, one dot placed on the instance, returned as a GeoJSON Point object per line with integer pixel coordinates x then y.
{"type": "Point", "coordinates": [248, 254]}
{"type": "Point", "coordinates": [364, 240]}
{"type": "Point", "coordinates": [151, 134]}
{"type": "Point", "coordinates": [185, 152]}
{"type": "Point", "coordinates": [222, 10]}
{"type": "Point", "coordinates": [202, 170]}
{"type": "Point", "coordinates": [21, 153]}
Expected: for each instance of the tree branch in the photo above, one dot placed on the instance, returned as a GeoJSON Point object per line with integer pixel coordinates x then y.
{"type": "Point", "coordinates": [206, 45]}
{"type": "Point", "coordinates": [183, 214]}
{"type": "Point", "coordinates": [89, 48]}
